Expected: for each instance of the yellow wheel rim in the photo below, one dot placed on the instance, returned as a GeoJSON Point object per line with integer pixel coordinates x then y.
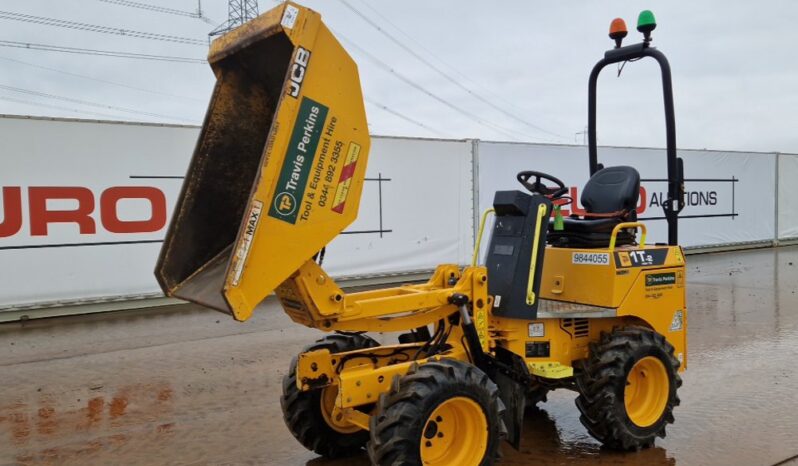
{"type": "Point", "coordinates": [647, 391]}
{"type": "Point", "coordinates": [332, 415]}
{"type": "Point", "coordinates": [455, 434]}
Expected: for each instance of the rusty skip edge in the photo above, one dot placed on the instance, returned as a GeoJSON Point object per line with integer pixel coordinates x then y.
{"type": "Point", "coordinates": [244, 36]}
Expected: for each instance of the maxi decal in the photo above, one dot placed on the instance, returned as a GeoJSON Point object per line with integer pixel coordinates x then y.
{"type": "Point", "coordinates": [242, 251]}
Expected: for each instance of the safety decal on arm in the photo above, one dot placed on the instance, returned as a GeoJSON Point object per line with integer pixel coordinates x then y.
{"type": "Point", "coordinates": [345, 180]}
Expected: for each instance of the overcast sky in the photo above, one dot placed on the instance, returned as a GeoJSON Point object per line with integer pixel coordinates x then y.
{"type": "Point", "coordinates": [734, 67]}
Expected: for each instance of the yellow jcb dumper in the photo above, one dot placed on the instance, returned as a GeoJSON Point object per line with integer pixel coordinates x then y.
{"type": "Point", "coordinates": [580, 303]}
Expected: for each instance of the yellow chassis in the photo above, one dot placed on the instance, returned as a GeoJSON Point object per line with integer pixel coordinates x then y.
{"type": "Point", "coordinates": [642, 286]}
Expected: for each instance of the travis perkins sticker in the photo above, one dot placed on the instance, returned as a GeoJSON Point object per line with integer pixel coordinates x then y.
{"type": "Point", "coordinates": [660, 279]}
{"type": "Point", "coordinates": [302, 146]}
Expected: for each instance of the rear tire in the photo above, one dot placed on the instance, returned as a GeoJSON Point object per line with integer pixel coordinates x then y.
{"type": "Point", "coordinates": [628, 388]}
{"type": "Point", "coordinates": [304, 414]}
{"type": "Point", "coordinates": [443, 413]}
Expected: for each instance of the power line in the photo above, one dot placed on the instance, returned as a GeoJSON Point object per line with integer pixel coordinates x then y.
{"type": "Point", "coordinates": [161, 9]}
{"type": "Point", "coordinates": [404, 117]}
{"type": "Point", "coordinates": [57, 107]}
{"type": "Point", "coordinates": [97, 28]}
{"type": "Point", "coordinates": [408, 81]}
{"type": "Point", "coordinates": [421, 46]}
{"type": "Point", "coordinates": [91, 78]}
{"type": "Point", "coordinates": [495, 127]}
{"type": "Point", "coordinates": [413, 84]}
{"type": "Point", "coordinates": [89, 103]}
{"type": "Point", "coordinates": [443, 73]}
{"type": "Point", "coordinates": [103, 53]}
{"type": "Point", "coordinates": [155, 8]}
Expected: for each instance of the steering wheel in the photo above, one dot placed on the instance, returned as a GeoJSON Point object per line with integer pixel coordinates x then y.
{"type": "Point", "coordinates": [538, 187]}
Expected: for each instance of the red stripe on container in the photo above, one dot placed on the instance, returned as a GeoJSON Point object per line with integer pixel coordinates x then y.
{"type": "Point", "coordinates": [347, 172]}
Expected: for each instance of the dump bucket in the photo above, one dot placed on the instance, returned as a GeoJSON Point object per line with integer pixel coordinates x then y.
{"type": "Point", "coordinates": [278, 168]}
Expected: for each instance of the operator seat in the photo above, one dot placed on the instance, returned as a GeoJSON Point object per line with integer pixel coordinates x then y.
{"type": "Point", "coordinates": [610, 197]}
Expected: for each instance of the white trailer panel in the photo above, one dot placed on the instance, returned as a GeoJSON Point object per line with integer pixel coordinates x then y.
{"type": "Point", "coordinates": [86, 207]}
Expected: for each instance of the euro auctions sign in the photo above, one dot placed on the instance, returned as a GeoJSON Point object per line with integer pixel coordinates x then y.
{"type": "Point", "coordinates": [729, 198]}
{"type": "Point", "coordinates": [84, 206]}
{"type": "Point", "coordinates": [80, 206]}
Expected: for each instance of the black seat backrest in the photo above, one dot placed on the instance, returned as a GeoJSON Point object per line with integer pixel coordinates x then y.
{"type": "Point", "coordinates": [612, 189]}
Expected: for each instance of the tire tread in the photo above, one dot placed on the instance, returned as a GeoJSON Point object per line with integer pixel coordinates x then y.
{"type": "Point", "coordinates": [602, 376]}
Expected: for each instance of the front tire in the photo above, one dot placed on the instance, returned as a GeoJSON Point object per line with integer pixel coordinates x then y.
{"type": "Point", "coordinates": [308, 414]}
{"type": "Point", "coordinates": [443, 413]}
{"type": "Point", "coordinates": [628, 388]}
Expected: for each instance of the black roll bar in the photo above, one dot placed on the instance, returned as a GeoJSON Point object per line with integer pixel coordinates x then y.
{"type": "Point", "coordinates": [675, 202]}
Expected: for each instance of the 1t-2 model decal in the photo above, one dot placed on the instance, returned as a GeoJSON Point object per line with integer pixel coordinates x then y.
{"type": "Point", "coordinates": [641, 257]}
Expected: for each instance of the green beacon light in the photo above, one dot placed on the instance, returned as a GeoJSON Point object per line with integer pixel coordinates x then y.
{"type": "Point", "coordinates": [646, 23]}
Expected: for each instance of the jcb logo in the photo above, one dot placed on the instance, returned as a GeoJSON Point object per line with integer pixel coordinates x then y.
{"type": "Point", "coordinates": [285, 204]}
{"type": "Point", "coordinates": [297, 73]}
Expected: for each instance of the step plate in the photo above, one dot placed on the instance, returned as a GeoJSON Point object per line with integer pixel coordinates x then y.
{"type": "Point", "coordinates": [548, 309]}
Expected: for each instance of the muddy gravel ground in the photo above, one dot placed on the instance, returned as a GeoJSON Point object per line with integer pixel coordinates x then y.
{"type": "Point", "coordinates": [185, 385]}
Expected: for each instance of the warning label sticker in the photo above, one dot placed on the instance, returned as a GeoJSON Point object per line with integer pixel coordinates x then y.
{"type": "Point", "coordinates": [290, 15]}
{"type": "Point", "coordinates": [677, 323]}
{"type": "Point", "coordinates": [339, 200]}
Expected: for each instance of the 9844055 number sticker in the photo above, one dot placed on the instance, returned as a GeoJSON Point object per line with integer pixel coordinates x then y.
{"type": "Point", "coordinates": [590, 258]}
